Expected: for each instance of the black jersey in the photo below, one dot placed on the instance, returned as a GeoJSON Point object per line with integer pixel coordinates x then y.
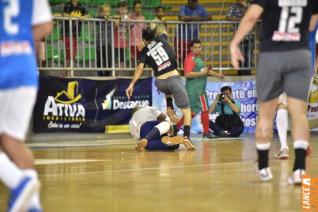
{"type": "Point", "coordinates": [159, 56]}
{"type": "Point", "coordinates": [285, 23]}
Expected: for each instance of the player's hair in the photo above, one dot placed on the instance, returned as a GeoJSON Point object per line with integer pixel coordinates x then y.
{"type": "Point", "coordinates": [195, 41]}
{"type": "Point", "coordinates": [148, 34]}
{"type": "Point", "coordinates": [135, 109]}
{"type": "Point", "coordinates": [225, 88]}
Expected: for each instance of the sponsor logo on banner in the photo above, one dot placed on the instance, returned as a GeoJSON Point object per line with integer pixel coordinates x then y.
{"type": "Point", "coordinates": [112, 102]}
{"type": "Point", "coordinates": [63, 109]}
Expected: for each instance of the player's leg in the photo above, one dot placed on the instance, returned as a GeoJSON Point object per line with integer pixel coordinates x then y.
{"type": "Point", "coordinates": [170, 110]}
{"type": "Point", "coordinates": [297, 85]}
{"type": "Point", "coordinates": [151, 133]}
{"type": "Point", "coordinates": [269, 86]}
{"type": "Point", "coordinates": [282, 126]}
{"type": "Point", "coordinates": [16, 158]}
{"type": "Point", "coordinates": [263, 136]}
{"type": "Point", "coordinates": [205, 116]}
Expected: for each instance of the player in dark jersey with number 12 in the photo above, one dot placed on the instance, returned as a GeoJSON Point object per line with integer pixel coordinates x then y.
{"type": "Point", "coordinates": [284, 66]}
{"type": "Point", "coordinates": [160, 57]}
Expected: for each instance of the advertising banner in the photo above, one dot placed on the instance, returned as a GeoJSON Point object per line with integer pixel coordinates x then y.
{"type": "Point", "coordinates": [84, 105]}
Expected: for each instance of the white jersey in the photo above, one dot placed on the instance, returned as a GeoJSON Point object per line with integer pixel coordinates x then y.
{"type": "Point", "coordinates": [140, 117]}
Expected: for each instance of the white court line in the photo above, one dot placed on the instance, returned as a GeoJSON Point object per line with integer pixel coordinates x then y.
{"type": "Point", "coordinates": [62, 161]}
{"type": "Point", "coordinates": [80, 143]}
{"type": "Point", "coordinates": [171, 167]}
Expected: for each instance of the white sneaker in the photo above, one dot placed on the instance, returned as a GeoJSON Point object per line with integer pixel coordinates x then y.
{"type": "Point", "coordinates": [296, 178]}
{"type": "Point", "coordinates": [265, 174]}
{"type": "Point", "coordinates": [283, 154]}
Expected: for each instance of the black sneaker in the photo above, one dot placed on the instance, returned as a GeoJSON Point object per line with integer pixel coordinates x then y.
{"type": "Point", "coordinates": [209, 136]}
{"type": "Point", "coordinates": [225, 134]}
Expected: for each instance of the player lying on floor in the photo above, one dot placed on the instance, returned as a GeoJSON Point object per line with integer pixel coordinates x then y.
{"type": "Point", "coordinates": [150, 127]}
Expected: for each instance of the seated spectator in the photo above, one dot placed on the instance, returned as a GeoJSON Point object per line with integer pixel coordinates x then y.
{"type": "Point", "coordinates": [135, 31]}
{"type": "Point", "coordinates": [228, 123]}
{"type": "Point", "coordinates": [72, 9]}
{"type": "Point", "coordinates": [104, 40]}
{"type": "Point", "coordinates": [150, 128]}
{"type": "Point", "coordinates": [187, 32]}
{"type": "Point", "coordinates": [159, 24]}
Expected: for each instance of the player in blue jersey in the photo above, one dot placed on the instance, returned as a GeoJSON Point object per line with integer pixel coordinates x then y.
{"type": "Point", "coordinates": [22, 22]}
{"type": "Point", "coordinates": [283, 66]}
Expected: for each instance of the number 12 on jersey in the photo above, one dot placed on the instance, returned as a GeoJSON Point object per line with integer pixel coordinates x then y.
{"type": "Point", "coordinates": [287, 29]}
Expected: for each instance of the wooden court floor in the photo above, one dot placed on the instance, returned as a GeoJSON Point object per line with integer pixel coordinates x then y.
{"type": "Point", "coordinates": [103, 175]}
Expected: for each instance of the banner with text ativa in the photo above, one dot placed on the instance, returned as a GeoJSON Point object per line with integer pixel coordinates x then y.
{"type": "Point", "coordinates": [84, 105]}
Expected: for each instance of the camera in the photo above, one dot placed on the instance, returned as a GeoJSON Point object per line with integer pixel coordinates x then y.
{"type": "Point", "coordinates": [221, 97]}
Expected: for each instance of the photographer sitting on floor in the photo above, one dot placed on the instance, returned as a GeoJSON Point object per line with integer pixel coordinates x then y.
{"type": "Point", "coordinates": [228, 123]}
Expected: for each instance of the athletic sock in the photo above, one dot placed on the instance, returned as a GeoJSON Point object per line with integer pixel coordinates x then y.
{"type": "Point", "coordinates": [205, 122]}
{"type": "Point", "coordinates": [10, 174]}
{"type": "Point", "coordinates": [186, 131]}
{"type": "Point", "coordinates": [282, 127]}
{"type": "Point", "coordinates": [262, 150]}
{"type": "Point", "coordinates": [35, 199]}
{"type": "Point", "coordinates": [300, 154]}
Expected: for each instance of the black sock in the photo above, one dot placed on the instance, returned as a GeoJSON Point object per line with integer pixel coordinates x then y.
{"type": "Point", "coordinates": [153, 134]}
{"type": "Point", "coordinates": [175, 130]}
{"type": "Point", "coordinates": [300, 159]}
{"type": "Point", "coordinates": [169, 102]}
{"type": "Point", "coordinates": [186, 131]}
{"type": "Point", "coordinates": [262, 159]}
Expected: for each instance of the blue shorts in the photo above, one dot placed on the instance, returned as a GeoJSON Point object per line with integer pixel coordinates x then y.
{"type": "Point", "coordinates": [156, 143]}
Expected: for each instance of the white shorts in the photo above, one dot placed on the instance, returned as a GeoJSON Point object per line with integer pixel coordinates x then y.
{"type": "Point", "coordinates": [15, 111]}
{"type": "Point", "coordinates": [282, 99]}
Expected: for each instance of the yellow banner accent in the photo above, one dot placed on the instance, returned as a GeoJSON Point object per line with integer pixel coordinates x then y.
{"type": "Point", "coordinates": [116, 129]}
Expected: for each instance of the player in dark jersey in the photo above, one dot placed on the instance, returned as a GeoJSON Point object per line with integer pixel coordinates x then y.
{"type": "Point", "coordinates": [284, 66]}
{"type": "Point", "coordinates": [160, 57]}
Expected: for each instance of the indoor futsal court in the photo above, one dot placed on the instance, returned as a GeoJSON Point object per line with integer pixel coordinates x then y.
{"type": "Point", "coordinates": [85, 172]}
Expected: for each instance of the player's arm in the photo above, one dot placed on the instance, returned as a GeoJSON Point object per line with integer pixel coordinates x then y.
{"type": "Point", "coordinates": [189, 65]}
{"type": "Point", "coordinates": [41, 19]}
{"type": "Point", "coordinates": [214, 104]}
{"type": "Point", "coordinates": [40, 31]}
{"type": "Point", "coordinates": [215, 74]}
{"type": "Point", "coordinates": [137, 74]}
{"type": "Point", "coordinates": [248, 21]}
{"type": "Point", "coordinates": [313, 22]}
{"type": "Point", "coordinates": [232, 105]}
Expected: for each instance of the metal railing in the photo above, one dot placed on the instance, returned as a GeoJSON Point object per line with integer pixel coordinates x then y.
{"type": "Point", "coordinates": [111, 47]}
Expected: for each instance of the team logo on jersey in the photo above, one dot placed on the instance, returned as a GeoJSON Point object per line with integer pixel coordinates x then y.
{"type": "Point", "coordinates": [64, 106]}
{"type": "Point", "coordinates": [121, 102]}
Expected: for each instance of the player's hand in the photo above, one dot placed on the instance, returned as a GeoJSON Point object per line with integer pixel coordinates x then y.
{"type": "Point", "coordinates": [129, 91]}
{"type": "Point", "coordinates": [236, 56]}
{"type": "Point", "coordinates": [220, 76]}
{"type": "Point", "coordinates": [226, 99]}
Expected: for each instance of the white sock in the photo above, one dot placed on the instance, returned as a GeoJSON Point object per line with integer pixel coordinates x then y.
{"type": "Point", "coordinates": [35, 199]}
{"type": "Point", "coordinates": [301, 144]}
{"type": "Point", "coordinates": [263, 146]}
{"type": "Point", "coordinates": [282, 127]}
{"type": "Point", "coordinates": [10, 174]}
